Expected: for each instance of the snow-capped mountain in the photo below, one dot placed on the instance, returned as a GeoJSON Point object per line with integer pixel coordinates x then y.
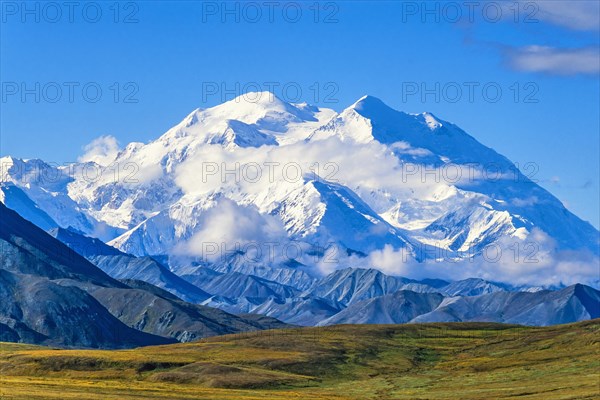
{"type": "Point", "coordinates": [40, 191]}
{"type": "Point", "coordinates": [17, 200]}
{"type": "Point", "coordinates": [366, 186]}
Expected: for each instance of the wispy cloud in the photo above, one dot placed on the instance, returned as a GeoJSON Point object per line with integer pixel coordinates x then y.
{"type": "Point", "coordinates": [101, 150]}
{"type": "Point", "coordinates": [580, 23]}
{"type": "Point", "coordinates": [539, 264]}
{"type": "Point", "coordinates": [228, 226]}
{"type": "Point", "coordinates": [581, 15]}
{"type": "Point", "coordinates": [554, 60]}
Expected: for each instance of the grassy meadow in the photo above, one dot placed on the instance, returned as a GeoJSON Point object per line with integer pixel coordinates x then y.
{"type": "Point", "coordinates": [429, 361]}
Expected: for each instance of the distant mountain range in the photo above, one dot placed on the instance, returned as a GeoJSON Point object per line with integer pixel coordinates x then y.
{"type": "Point", "coordinates": [177, 240]}
{"type": "Point", "coordinates": [351, 295]}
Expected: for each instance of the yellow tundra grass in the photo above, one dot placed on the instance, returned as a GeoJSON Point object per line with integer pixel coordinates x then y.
{"type": "Point", "coordinates": [430, 361]}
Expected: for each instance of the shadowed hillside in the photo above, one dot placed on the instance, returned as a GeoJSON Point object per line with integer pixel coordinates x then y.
{"type": "Point", "coordinates": [51, 295]}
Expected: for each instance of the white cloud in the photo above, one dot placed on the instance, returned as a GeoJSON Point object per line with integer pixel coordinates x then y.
{"type": "Point", "coordinates": [402, 147]}
{"type": "Point", "coordinates": [228, 227]}
{"type": "Point", "coordinates": [578, 15]}
{"type": "Point", "coordinates": [581, 23]}
{"type": "Point", "coordinates": [573, 14]}
{"type": "Point", "coordinates": [526, 202]}
{"type": "Point", "coordinates": [553, 60]}
{"type": "Point", "coordinates": [533, 261]}
{"type": "Point", "coordinates": [102, 150]}
{"type": "Point", "coordinates": [214, 168]}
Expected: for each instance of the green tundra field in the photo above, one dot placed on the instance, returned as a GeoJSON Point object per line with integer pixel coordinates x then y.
{"type": "Point", "coordinates": [429, 361]}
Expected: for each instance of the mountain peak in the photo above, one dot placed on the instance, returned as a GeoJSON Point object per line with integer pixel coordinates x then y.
{"type": "Point", "coordinates": [370, 104]}
{"type": "Point", "coordinates": [7, 159]}
{"type": "Point", "coordinates": [378, 112]}
{"type": "Point", "coordinates": [264, 109]}
{"type": "Point", "coordinates": [261, 99]}
{"type": "Point", "coordinates": [374, 108]}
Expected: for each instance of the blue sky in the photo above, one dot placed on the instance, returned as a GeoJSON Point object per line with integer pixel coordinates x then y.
{"type": "Point", "coordinates": [162, 59]}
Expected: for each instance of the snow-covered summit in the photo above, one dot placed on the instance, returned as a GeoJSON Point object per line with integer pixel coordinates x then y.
{"type": "Point", "coordinates": [370, 179]}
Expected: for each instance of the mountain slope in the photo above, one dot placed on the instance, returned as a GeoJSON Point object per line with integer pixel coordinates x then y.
{"type": "Point", "coordinates": [571, 304]}
{"type": "Point", "coordinates": [236, 285]}
{"type": "Point", "coordinates": [471, 287]}
{"type": "Point", "coordinates": [36, 309]}
{"type": "Point", "coordinates": [48, 187]}
{"type": "Point", "coordinates": [120, 265]}
{"type": "Point", "coordinates": [324, 213]}
{"type": "Point", "coordinates": [303, 311]}
{"type": "Point", "coordinates": [428, 141]}
{"type": "Point", "coordinates": [15, 199]}
{"type": "Point", "coordinates": [149, 270]}
{"type": "Point", "coordinates": [396, 308]}
{"type": "Point", "coordinates": [51, 294]}
{"type": "Point", "coordinates": [350, 285]}
{"type": "Point", "coordinates": [84, 245]}
{"type": "Point", "coordinates": [291, 274]}
{"type": "Point", "coordinates": [151, 313]}
{"type": "Point", "coordinates": [29, 250]}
